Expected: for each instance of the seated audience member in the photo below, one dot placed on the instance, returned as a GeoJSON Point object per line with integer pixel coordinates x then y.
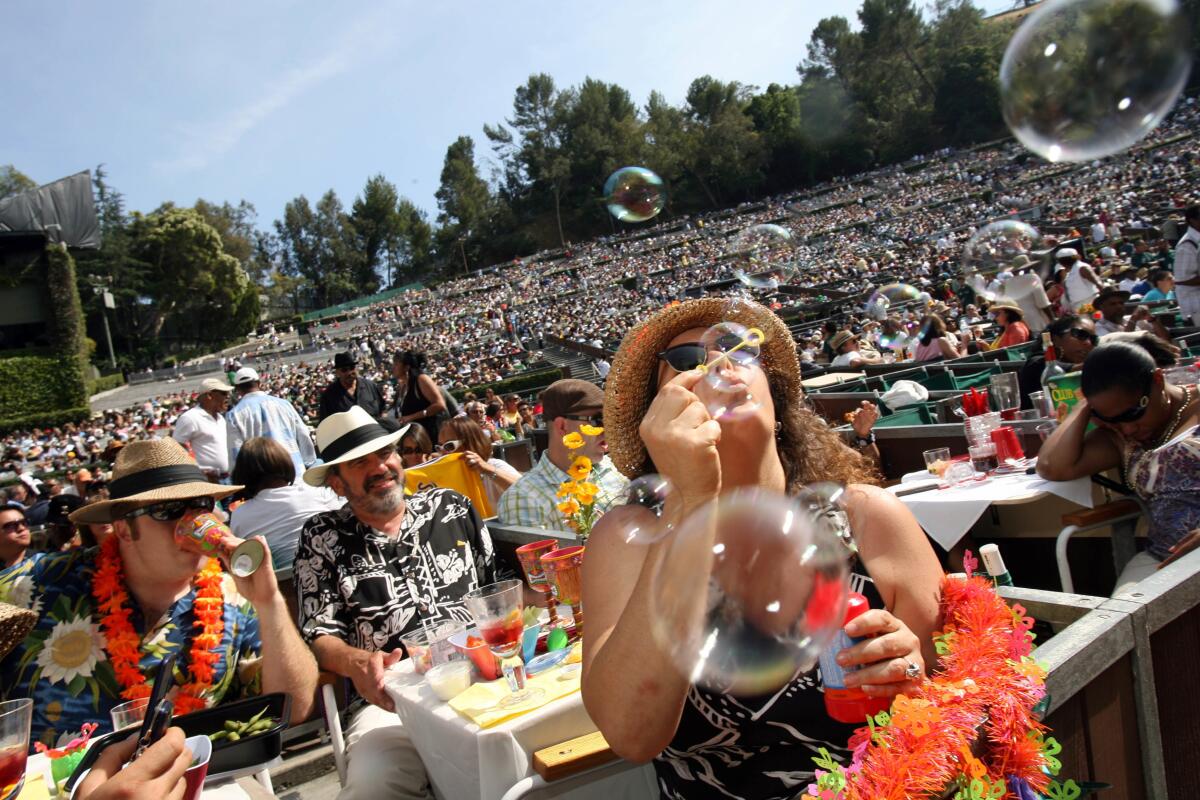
{"type": "Point", "coordinates": [14, 535]}
{"type": "Point", "coordinates": [567, 405]}
{"type": "Point", "coordinates": [140, 590]}
{"type": "Point", "coordinates": [846, 345]}
{"type": "Point", "coordinates": [276, 505]}
{"type": "Point", "coordinates": [470, 440]}
{"type": "Point", "coordinates": [477, 412]}
{"type": "Point", "coordinates": [935, 342]}
{"type": "Point", "coordinates": [373, 571]}
{"type": "Point", "coordinates": [415, 447]}
{"type": "Point", "coordinates": [1073, 338]}
{"type": "Point", "coordinates": [1010, 319]}
{"type": "Point", "coordinates": [1111, 305]}
{"type": "Point", "coordinates": [1146, 428]}
{"type": "Point", "coordinates": [509, 415]}
{"type": "Point", "coordinates": [1164, 287]}
{"type": "Point", "coordinates": [61, 532]}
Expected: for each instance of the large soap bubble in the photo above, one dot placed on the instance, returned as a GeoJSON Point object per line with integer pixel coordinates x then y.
{"type": "Point", "coordinates": [634, 194]}
{"type": "Point", "coordinates": [1000, 244]}
{"type": "Point", "coordinates": [890, 295]}
{"type": "Point", "coordinates": [764, 256]}
{"type": "Point", "coordinates": [750, 589]}
{"type": "Point", "coordinates": [1084, 79]}
{"type": "Point", "coordinates": [642, 518]}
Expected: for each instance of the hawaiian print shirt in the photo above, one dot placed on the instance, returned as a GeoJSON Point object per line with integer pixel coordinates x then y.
{"type": "Point", "coordinates": [63, 665]}
{"type": "Point", "coordinates": [357, 584]}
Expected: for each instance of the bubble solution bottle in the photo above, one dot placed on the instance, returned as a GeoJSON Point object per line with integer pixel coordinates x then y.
{"type": "Point", "coordinates": [851, 705]}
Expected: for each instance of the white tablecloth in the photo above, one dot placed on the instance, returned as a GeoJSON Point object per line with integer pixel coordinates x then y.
{"type": "Point", "coordinates": [947, 514]}
{"type": "Point", "coordinates": [465, 762]}
{"type": "Point", "coordinates": [225, 790]}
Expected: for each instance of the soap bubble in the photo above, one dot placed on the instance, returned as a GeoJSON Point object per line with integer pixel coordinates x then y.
{"type": "Point", "coordinates": [634, 194]}
{"type": "Point", "coordinates": [894, 294]}
{"type": "Point", "coordinates": [750, 589]}
{"type": "Point", "coordinates": [979, 285]}
{"type": "Point", "coordinates": [732, 348]}
{"type": "Point", "coordinates": [895, 341]}
{"type": "Point", "coordinates": [641, 518]}
{"type": "Point", "coordinates": [764, 256]}
{"type": "Point", "coordinates": [877, 307]}
{"type": "Point", "coordinates": [998, 244]}
{"type": "Point", "coordinates": [1084, 79]}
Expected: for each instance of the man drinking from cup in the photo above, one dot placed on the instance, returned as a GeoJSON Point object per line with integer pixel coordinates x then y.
{"type": "Point", "coordinates": [109, 615]}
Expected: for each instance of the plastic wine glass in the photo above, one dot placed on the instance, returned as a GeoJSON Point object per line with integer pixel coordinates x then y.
{"type": "Point", "coordinates": [15, 716]}
{"type": "Point", "coordinates": [497, 609]}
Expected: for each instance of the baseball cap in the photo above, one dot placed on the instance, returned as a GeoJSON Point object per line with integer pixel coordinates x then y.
{"type": "Point", "coordinates": [214, 385]}
{"type": "Point", "coordinates": [570, 396]}
{"type": "Point", "coordinates": [245, 375]}
{"type": "Point", "coordinates": [1067, 252]}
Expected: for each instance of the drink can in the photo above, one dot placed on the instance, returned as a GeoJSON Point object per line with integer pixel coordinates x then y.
{"type": "Point", "coordinates": [202, 532]}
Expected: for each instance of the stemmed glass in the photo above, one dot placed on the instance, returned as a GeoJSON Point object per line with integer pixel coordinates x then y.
{"type": "Point", "coordinates": [15, 716]}
{"type": "Point", "coordinates": [1006, 391]}
{"type": "Point", "coordinates": [497, 609]}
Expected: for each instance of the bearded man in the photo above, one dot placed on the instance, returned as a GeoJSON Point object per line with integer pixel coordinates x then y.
{"type": "Point", "coordinates": [373, 571]}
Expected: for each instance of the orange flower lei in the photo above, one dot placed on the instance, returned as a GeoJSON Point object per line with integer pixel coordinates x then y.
{"type": "Point", "coordinates": [124, 644]}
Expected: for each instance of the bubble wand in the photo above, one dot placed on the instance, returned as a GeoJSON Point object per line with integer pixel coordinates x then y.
{"type": "Point", "coordinates": [754, 338]}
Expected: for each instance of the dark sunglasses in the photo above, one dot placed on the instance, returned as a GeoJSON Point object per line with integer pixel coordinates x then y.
{"type": "Point", "coordinates": [1128, 415]}
{"type": "Point", "coordinates": [173, 509]}
{"type": "Point", "coordinates": [1083, 335]}
{"type": "Point", "coordinates": [689, 355]}
{"type": "Point", "coordinates": [411, 451]}
{"type": "Point", "coordinates": [595, 420]}
{"type": "Point", "coordinates": [14, 526]}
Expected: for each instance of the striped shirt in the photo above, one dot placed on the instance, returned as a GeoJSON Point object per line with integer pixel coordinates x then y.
{"type": "Point", "coordinates": [531, 501]}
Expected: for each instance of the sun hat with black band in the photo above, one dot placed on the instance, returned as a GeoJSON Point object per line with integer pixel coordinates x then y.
{"type": "Point", "coordinates": [627, 392]}
{"type": "Point", "coordinates": [346, 436]}
{"type": "Point", "coordinates": [150, 471]}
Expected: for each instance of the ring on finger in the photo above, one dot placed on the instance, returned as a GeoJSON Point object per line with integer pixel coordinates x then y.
{"type": "Point", "coordinates": [912, 671]}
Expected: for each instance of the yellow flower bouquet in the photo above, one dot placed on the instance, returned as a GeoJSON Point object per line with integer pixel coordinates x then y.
{"type": "Point", "coordinates": [578, 495]}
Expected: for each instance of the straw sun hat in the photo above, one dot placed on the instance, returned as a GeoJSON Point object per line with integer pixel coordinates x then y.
{"type": "Point", "coordinates": [627, 392]}
{"type": "Point", "coordinates": [147, 472]}
{"type": "Point", "coordinates": [15, 625]}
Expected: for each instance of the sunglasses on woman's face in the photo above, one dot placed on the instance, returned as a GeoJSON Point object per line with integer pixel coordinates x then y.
{"type": "Point", "coordinates": [1083, 335]}
{"type": "Point", "coordinates": [690, 355]}
{"type": "Point", "coordinates": [450, 446]}
{"type": "Point", "coordinates": [411, 451]}
{"type": "Point", "coordinates": [1128, 415]}
{"type": "Point", "coordinates": [173, 509]}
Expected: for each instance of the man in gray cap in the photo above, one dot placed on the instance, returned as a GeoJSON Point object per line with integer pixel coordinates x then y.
{"type": "Point", "coordinates": [202, 429]}
{"type": "Point", "coordinates": [567, 407]}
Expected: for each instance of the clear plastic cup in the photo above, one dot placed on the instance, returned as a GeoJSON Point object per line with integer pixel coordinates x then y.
{"type": "Point", "coordinates": [129, 714]}
{"type": "Point", "coordinates": [936, 460]}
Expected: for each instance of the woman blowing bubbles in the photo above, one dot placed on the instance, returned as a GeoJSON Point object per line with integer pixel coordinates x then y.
{"type": "Point", "coordinates": [711, 745]}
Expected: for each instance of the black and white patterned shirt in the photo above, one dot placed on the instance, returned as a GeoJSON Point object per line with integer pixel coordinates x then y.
{"type": "Point", "coordinates": [355, 583]}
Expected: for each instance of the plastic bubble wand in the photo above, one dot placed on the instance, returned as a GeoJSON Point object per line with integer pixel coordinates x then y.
{"type": "Point", "coordinates": [754, 338]}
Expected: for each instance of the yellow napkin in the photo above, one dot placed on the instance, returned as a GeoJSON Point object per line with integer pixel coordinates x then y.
{"type": "Point", "coordinates": [478, 703]}
{"type": "Point", "coordinates": [34, 788]}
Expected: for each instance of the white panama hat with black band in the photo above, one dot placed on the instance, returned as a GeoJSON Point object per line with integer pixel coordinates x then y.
{"type": "Point", "coordinates": [346, 436]}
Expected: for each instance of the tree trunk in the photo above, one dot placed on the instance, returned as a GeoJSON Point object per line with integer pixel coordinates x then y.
{"type": "Point", "coordinates": [562, 242]}
{"type": "Point", "coordinates": [920, 72]}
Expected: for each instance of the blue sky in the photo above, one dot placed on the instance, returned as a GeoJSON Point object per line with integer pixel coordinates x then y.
{"type": "Point", "coordinates": [264, 101]}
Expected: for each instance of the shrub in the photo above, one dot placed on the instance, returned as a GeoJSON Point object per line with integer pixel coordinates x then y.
{"type": "Point", "coordinates": [517, 383]}
{"type": "Point", "coordinates": [104, 383]}
{"type": "Point", "coordinates": [44, 419]}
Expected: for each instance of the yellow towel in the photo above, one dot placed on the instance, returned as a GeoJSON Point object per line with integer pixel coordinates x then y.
{"type": "Point", "coordinates": [450, 472]}
{"type": "Point", "coordinates": [478, 703]}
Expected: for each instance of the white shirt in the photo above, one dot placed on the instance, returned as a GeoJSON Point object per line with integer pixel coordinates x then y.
{"type": "Point", "coordinates": [207, 437]}
{"type": "Point", "coordinates": [491, 487]}
{"type": "Point", "coordinates": [1027, 292]}
{"type": "Point", "coordinates": [1099, 234]}
{"type": "Point", "coordinates": [279, 515]}
{"type": "Point", "coordinates": [846, 359]}
{"type": "Point", "coordinates": [1187, 265]}
{"type": "Point", "coordinates": [1104, 327]}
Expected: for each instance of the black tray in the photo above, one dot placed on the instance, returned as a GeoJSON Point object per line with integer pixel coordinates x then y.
{"type": "Point", "coordinates": [227, 756]}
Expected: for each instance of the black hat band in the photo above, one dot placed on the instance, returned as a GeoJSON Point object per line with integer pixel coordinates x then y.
{"type": "Point", "coordinates": [352, 439]}
{"type": "Point", "coordinates": [156, 478]}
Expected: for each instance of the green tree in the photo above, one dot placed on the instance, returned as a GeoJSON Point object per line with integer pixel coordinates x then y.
{"type": "Point", "coordinates": [317, 244]}
{"type": "Point", "coordinates": [723, 151]}
{"type": "Point", "coordinates": [375, 229]}
{"type": "Point", "coordinates": [12, 180]}
{"type": "Point", "coordinates": [465, 204]}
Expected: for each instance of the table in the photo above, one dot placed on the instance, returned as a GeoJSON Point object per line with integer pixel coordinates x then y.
{"type": "Point", "coordinates": [947, 514]}
{"type": "Point", "coordinates": [465, 762]}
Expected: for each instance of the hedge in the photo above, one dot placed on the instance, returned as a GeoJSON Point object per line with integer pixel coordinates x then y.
{"type": "Point", "coordinates": [45, 419]}
{"type": "Point", "coordinates": [518, 383]}
{"type": "Point", "coordinates": [104, 383]}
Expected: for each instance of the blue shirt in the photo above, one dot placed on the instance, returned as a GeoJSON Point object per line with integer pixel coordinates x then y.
{"type": "Point", "coordinates": [261, 414]}
{"type": "Point", "coordinates": [63, 664]}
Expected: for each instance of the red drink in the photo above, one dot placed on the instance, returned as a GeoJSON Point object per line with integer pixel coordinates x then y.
{"type": "Point", "coordinates": [503, 635]}
{"type": "Point", "coordinates": [12, 767]}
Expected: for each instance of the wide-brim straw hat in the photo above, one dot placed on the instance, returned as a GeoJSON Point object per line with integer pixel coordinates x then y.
{"type": "Point", "coordinates": [627, 392]}
{"type": "Point", "coordinates": [15, 625]}
{"type": "Point", "coordinates": [150, 471]}
{"type": "Point", "coordinates": [346, 436]}
{"type": "Point", "coordinates": [1008, 305]}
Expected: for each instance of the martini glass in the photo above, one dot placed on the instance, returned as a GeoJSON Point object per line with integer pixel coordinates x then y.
{"type": "Point", "coordinates": [15, 716]}
{"type": "Point", "coordinates": [497, 609]}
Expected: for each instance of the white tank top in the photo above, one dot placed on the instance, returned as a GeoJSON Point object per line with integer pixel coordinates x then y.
{"type": "Point", "coordinates": [1079, 289]}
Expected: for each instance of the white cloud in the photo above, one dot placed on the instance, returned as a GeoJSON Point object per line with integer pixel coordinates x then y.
{"type": "Point", "coordinates": [205, 142]}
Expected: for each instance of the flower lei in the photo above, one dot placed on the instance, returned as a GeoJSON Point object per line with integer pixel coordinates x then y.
{"type": "Point", "coordinates": [971, 729]}
{"type": "Point", "coordinates": [578, 507]}
{"type": "Point", "coordinates": [124, 644]}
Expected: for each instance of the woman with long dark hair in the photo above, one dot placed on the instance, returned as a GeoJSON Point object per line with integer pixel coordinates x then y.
{"type": "Point", "coordinates": [656, 419]}
{"type": "Point", "coordinates": [1146, 428]}
{"type": "Point", "coordinates": [935, 341]}
{"type": "Point", "coordinates": [418, 398]}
